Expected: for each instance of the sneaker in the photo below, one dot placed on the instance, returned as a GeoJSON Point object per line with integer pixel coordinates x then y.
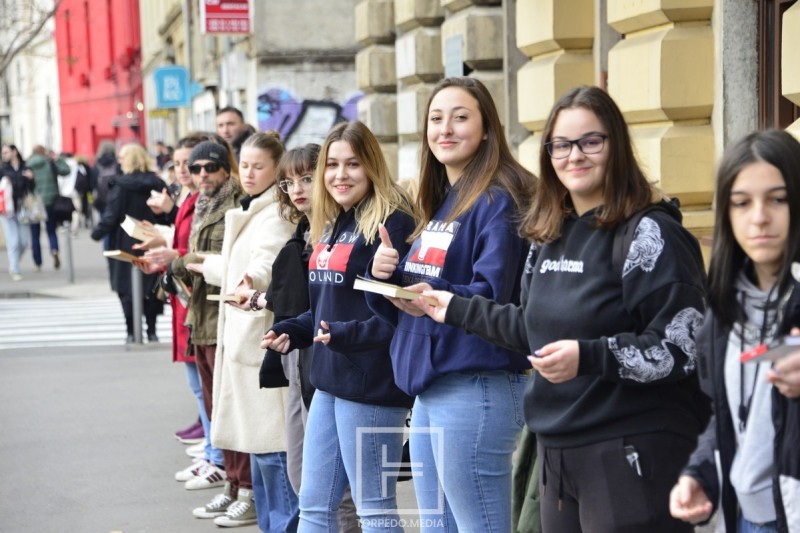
{"type": "Point", "coordinates": [152, 337]}
{"type": "Point", "coordinates": [187, 429]}
{"type": "Point", "coordinates": [208, 477]}
{"type": "Point", "coordinates": [242, 512]}
{"type": "Point", "coordinates": [37, 268]}
{"type": "Point", "coordinates": [56, 261]}
{"type": "Point", "coordinates": [198, 451]}
{"type": "Point", "coordinates": [190, 471]}
{"type": "Point", "coordinates": [16, 277]}
{"type": "Point", "coordinates": [217, 506]}
{"type": "Point", "coordinates": [193, 437]}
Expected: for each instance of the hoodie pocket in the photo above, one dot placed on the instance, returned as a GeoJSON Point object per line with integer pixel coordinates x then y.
{"type": "Point", "coordinates": [412, 361]}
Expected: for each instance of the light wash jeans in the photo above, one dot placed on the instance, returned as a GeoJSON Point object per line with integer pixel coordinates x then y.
{"type": "Point", "coordinates": [746, 526]}
{"type": "Point", "coordinates": [353, 441]}
{"type": "Point", "coordinates": [211, 454]}
{"type": "Point", "coordinates": [276, 502]}
{"type": "Point", "coordinates": [464, 428]}
{"type": "Point", "coordinates": [16, 241]}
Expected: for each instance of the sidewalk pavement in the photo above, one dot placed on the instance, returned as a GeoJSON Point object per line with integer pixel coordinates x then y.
{"type": "Point", "coordinates": [85, 264]}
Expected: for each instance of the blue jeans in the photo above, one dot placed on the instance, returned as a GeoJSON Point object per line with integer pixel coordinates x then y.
{"type": "Point", "coordinates": [464, 429]}
{"type": "Point", "coordinates": [36, 230]}
{"type": "Point", "coordinates": [276, 502]}
{"type": "Point", "coordinates": [212, 454]}
{"type": "Point", "coordinates": [340, 446]}
{"type": "Point", "coordinates": [746, 526]}
{"type": "Point", "coordinates": [16, 241]}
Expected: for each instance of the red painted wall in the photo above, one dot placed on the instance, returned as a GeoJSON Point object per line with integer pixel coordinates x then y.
{"type": "Point", "coordinates": [98, 45]}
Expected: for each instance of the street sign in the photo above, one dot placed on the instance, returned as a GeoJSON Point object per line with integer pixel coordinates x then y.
{"type": "Point", "coordinates": [172, 87]}
{"type": "Point", "coordinates": [225, 16]}
{"type": "Point", "coordinates": [159, 113]}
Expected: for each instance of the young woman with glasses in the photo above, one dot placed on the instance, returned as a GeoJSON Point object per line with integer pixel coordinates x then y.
{"type": "Point", "coordinates": [614, 400]}
{"type": "Point", "coordinates": [753, 299]}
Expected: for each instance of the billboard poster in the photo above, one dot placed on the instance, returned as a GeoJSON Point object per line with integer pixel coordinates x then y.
{"type": "Point", "coordinates": [225, 16]}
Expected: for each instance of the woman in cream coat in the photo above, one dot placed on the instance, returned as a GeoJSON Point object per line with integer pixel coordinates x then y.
{"type": "Point", "coordinates": [249, 422]}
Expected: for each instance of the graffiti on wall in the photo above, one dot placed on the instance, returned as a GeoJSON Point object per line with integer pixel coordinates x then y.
{"type": "Point", "coordinates": [302, 121]}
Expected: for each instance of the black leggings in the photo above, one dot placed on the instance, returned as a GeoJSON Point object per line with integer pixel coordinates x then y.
{"type": "Point", "coordinates": [598, 488]}
{"type": "Point", "coordinates": [152, 308]}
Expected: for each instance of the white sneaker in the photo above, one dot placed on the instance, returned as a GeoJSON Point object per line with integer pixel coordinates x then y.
{"type": "Point", "coordinates": [208, 477]}
{"type": "Point", "coordinates": [190, 471]}
{"type": "Point", "coordinates": [198, 451]}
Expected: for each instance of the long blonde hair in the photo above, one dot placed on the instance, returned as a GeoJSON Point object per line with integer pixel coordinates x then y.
{"type": "Point", "coordinates": [133, 158]}
{"type": "Point", "coordinates": [384, 197]}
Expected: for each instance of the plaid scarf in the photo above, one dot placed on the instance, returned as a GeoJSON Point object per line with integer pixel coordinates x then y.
{"type": "Point", "coordinates": [208, 204]}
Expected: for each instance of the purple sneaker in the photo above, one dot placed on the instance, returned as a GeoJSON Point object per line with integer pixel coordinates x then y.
{"type": "Point", "coordinates": [194, 436]}
{"type": "Point", "coordinates": [182, 432]}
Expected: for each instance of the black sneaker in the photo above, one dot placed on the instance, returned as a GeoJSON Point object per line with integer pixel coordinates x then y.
{"type": "Point", "coordinates": [56, 260]}
{"type": "Point", "coordinates": [152, 337]}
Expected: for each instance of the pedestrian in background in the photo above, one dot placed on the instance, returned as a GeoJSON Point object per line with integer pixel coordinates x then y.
{"type": "Point", "coordinates": [105, 169]}
{"type": "Point", "coordinates": [614, 400]}
{"type": "Point", "coordinates": [353, 194]}
{"type": "Point", "coordinates": [232, 127]}
{"type": "Point", "coordinates": [753, 299]}
{"type": "Point", "coordinates": [46, 170]}
{"type": "Point", "coordinates": [22, 184]}
{"type": "Point", "coordinates": [472, 194]}
{"type": "Point", "coordinates": [128, 194]}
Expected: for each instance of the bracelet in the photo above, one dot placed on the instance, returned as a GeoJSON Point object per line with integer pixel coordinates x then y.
{"type": "Point", "coordinates": [254, 301]}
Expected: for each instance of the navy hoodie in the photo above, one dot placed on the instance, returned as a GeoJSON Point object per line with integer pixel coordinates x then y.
{"type": "Point", "coordinates": [355, 364]}
{"type": "Point", "coordinates": [635, 331]}
{"type": "Point", "coordinates": [478, 253]}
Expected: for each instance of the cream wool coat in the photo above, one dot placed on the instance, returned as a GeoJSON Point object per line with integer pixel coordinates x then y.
{"type": "Point", "coordinates": [246, 418]}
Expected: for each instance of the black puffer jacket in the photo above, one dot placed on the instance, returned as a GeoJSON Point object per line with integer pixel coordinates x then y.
{"type": "Point", "coordinates": [127, 196]}
{"type": "Point", "coordinates": [712, 342]}
{"type": "Point", "coordinates": [21, 185]}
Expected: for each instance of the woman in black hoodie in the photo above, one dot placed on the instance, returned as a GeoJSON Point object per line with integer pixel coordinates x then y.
{"type": "Point", "coordinates": [128, 195]}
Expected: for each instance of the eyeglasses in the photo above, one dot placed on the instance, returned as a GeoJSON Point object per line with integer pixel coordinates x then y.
{"type": "Point", "coordinates": [288, 185]}
{"type": "Point", "coordinates": [209, 168]}
{"type": "Point", "coordinates": [591, 144]}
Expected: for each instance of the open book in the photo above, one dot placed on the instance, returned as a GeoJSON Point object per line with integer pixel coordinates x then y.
{"type": "Point", "coordinates": [137, 229]}
{"type": "Point", "coordinates": [389, 289]}
{"type": "Point", "coordinates": [222, 298]}
{"type": "Point", "coordinates": [120, 255]}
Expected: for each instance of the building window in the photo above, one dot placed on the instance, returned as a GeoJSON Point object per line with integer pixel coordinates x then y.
{"type": "Point", "coordinates": [774, 111]}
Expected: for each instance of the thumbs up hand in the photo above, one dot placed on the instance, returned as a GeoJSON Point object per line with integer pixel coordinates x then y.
{"type": "Point", "coordinates": [386, 257]}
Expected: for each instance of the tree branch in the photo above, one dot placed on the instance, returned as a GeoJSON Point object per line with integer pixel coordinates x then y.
{"type": "Point", "coordinates": [29, 35]}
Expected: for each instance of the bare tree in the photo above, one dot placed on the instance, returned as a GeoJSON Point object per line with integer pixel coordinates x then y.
{"type": "Point", "coordinates": [21, 22]}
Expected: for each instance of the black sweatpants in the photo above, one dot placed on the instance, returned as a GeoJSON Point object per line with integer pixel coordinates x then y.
{"type": "Point", "coordinates": [616, 486]}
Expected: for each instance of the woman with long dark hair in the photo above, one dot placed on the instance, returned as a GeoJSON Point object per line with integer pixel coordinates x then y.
{"type": "Point", "coordinates": [614, 400]}
{"type": "Point", "coordinates": [753, 299]}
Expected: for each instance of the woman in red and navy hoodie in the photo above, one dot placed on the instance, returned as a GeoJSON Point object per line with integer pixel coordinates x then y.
{"type": "Point", "coordinates": [356, 398]}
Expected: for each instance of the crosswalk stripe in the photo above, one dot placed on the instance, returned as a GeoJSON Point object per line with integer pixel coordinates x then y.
{"type": "Point", "coordinates": [48, 322]}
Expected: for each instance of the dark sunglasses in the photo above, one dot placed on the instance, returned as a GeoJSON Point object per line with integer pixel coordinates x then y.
{"type": "Point", "coordinates": [210, 168]}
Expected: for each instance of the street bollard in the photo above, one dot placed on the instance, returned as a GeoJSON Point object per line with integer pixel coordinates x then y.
{"type": "Point", "coordinates": [136, 294]}
{"type": "Point", "coordinates": [67, 230]}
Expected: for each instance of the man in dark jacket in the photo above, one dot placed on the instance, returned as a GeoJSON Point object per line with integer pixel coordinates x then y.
{"type": "Point", "coordinates": [232, 127]}
{"type": "Point", "coordinates": [210, 166]}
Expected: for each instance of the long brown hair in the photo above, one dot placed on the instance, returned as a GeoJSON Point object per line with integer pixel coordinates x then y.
{"type": "Point", "coordinates": [728, 259]}
{"type": "Point", "coordinates": [625, 188]}
{"type": "Point", "coordinates": [492, 165]}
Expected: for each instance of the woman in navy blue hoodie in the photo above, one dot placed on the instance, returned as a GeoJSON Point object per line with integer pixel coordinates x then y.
{"type": "Point", "coordinates": [469, 391]}
{"type": "Point", "coordinates": [356, 398]}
